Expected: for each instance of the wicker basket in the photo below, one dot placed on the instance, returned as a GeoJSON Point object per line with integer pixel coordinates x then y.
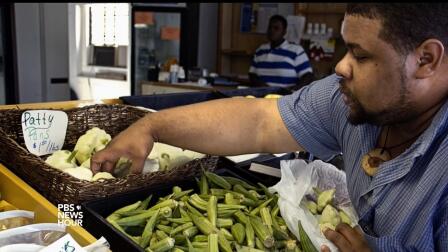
{"type": "Point", "coordinates": [59, 187]}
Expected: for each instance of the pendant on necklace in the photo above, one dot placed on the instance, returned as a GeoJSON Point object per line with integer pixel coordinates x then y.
{"type": "Point", "coordinates": [373, 159]}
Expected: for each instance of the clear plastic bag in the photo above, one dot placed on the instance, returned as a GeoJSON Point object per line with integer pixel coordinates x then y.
{"type": "Point", "coordinates": [101, 245]}
{"type": "Point", "coordinates": [68, 243]}
{"type": "Point", "coordinates": [297, 180]}
{"type": "Point", "coordinates": [20, 247]}
{"type": "Point", "coordinates": [15, 218]}
{"type": "Point", "coordinates": [40, 234]}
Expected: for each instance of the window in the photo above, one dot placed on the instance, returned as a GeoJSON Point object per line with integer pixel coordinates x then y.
{"type": "Point", "coordinates": [106, 37]}
{"type": "Point", "coordinates": [109, 24]}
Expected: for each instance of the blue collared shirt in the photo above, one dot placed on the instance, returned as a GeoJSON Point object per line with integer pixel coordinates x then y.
{"type": "Point", "coordinates": [281, 66]}
{"type": "Point", "coordinates": [404, 207]}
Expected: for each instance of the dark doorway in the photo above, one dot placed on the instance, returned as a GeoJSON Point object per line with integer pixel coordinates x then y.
{"type": "Point", "coordinates": [8, 65]}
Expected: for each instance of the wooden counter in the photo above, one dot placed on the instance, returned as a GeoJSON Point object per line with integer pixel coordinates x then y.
{"type": "Point", "coordinates": [61, 104]}
{"type": "Point", "coordinates": [150, 87]}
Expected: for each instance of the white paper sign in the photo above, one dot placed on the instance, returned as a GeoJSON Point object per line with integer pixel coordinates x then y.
{"type": "Point", "coordinates": [294, 31]}
{"type": "Point", "coordinates": [44, 130]}
{"type": "Point", "coordinates": [64, 244]}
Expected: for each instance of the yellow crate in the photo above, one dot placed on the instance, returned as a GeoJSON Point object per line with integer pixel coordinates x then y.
{"type": "Point", "coordinates": [15, 191]}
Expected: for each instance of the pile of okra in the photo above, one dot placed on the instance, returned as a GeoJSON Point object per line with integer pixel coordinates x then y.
{"type": "Point", "coordinates": [227, 214]}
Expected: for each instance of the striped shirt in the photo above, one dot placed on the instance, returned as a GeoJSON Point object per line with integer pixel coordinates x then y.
{"type": "Point", "coordinates": [281, 66]}
{"type": "Point", "coordinates": [404, 207]}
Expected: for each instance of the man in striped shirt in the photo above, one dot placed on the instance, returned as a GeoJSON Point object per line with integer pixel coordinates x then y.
{"type": "Point", "coordinates": [386, 105]}
{"type": "Point", "coordinates": [280, 63]}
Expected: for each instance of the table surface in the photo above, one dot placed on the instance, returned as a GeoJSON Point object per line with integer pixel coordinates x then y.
{"type": "Point", "coordinates": [61, 104]}
{"type": "Point", "coordinates": [188, 85]}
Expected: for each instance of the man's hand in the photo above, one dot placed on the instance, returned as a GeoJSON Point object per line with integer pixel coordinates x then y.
{"type": "Point", "coordinates": [133, 143]}
{"type": "Point", "coordinates": [346, 238]}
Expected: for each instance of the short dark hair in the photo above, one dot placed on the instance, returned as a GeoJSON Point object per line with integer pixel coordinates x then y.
{"type": "Point", "coordinates": [279, 18]}
{"type": "Point", "coordinates": [406, 25]}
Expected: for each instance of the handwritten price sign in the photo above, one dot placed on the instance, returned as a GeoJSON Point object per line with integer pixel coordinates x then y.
{"type": "Point", "coordinates": [44, 130]}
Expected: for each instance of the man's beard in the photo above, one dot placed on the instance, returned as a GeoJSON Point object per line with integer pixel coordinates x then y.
{"type": "Point", "coordinates": [400, 111]}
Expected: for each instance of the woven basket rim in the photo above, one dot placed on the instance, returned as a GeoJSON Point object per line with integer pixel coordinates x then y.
{"type": "Point", "coordinates": [71, 188]}
{"type": "Point", "coordinates": [61, 173]}
{"type": "Point", "coordinates": [87, 106]}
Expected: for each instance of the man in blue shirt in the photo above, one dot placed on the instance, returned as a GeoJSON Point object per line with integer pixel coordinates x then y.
{"type": "Point", "coordinates": [386, 111]}
{"type": "Point", "coordinates": [280, 63]}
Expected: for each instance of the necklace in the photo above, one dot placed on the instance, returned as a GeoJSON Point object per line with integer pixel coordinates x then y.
{"type": "Point", "coordinates": [374, 158]}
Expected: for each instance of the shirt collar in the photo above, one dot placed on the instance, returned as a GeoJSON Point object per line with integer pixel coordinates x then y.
{"type": "Point", "coordinates": [400, 166]}
{"type": "Point", "coordinates": [282, 45]}
{"type": "Point", "coordinates": [438, 126]}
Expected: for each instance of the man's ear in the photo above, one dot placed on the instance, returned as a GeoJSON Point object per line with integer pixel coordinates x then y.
{"type": "Point", "coordinates": [429, 58]}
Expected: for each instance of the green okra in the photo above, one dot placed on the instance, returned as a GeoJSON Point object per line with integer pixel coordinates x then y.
{"type": "Point", "coordinates": [149, 228]}
{"type": "Point", "coordinates": [166, 229]}
{"type": "Point", "coordinates": [265, 190]}
{"type": "Point", "coordinates": [257, 209]}
{"type": "Point", "coordinates": [160, 235]}
{"type": "Point", "coordinates": [305, 241]}
{"type": "Point", "coordinates": [181, 228]}
{"type": "Point", "coordinates": [227, 234]}
{"type": "Point", "coordinates": [190, 232]}
{"type": "Point", "coordinates": [238, 232]}
{"type": "Point", "coordinates": [128, 207]}
{"type": "Point", "coordinates": [218, 180]}
{"type": "Point", "coordinates": [182, 220]}
{"type": "Point", "coordinates": [212, 210]}
{"type": "Point", "coordinates": [240, 189]}
{"type": "Point", "coordinates": [145, 203]}
{"type": "Point", "coordinates": [203, 185]}
{"type": "Point", "coordinates": [163, 245]}
{"type": "Point", "coordinates": [236, 181]}
{"type": "Point", "coordinates": [250, 234]}
{"type": "Point", "coordinates": [212, 243]}
{"type": "Point", "coordinates": [200, 238]}
{"type": "Point", "coordinates": [262, 232]}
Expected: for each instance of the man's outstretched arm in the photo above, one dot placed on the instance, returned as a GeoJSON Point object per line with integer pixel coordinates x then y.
{"type": "Point", "coordinates": [222, 127]}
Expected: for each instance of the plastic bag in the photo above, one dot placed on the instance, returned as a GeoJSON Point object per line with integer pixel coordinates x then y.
{"type": "Point", "coordinates": [68, 243]}
{"type": "Point", "coordinates": [101, 245]}
{"type": "Point", "coordinates": [40, 234]}
{"type": "Point", "coordinates": [297, 180]}
{"type": "Point", "coordinates": [21, 248]}
{"type": "Point", "coordinates": [15, 218]}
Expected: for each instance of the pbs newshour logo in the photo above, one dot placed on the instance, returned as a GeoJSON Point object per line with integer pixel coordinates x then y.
{"type": "Point", "coordinates": [70, 215]}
